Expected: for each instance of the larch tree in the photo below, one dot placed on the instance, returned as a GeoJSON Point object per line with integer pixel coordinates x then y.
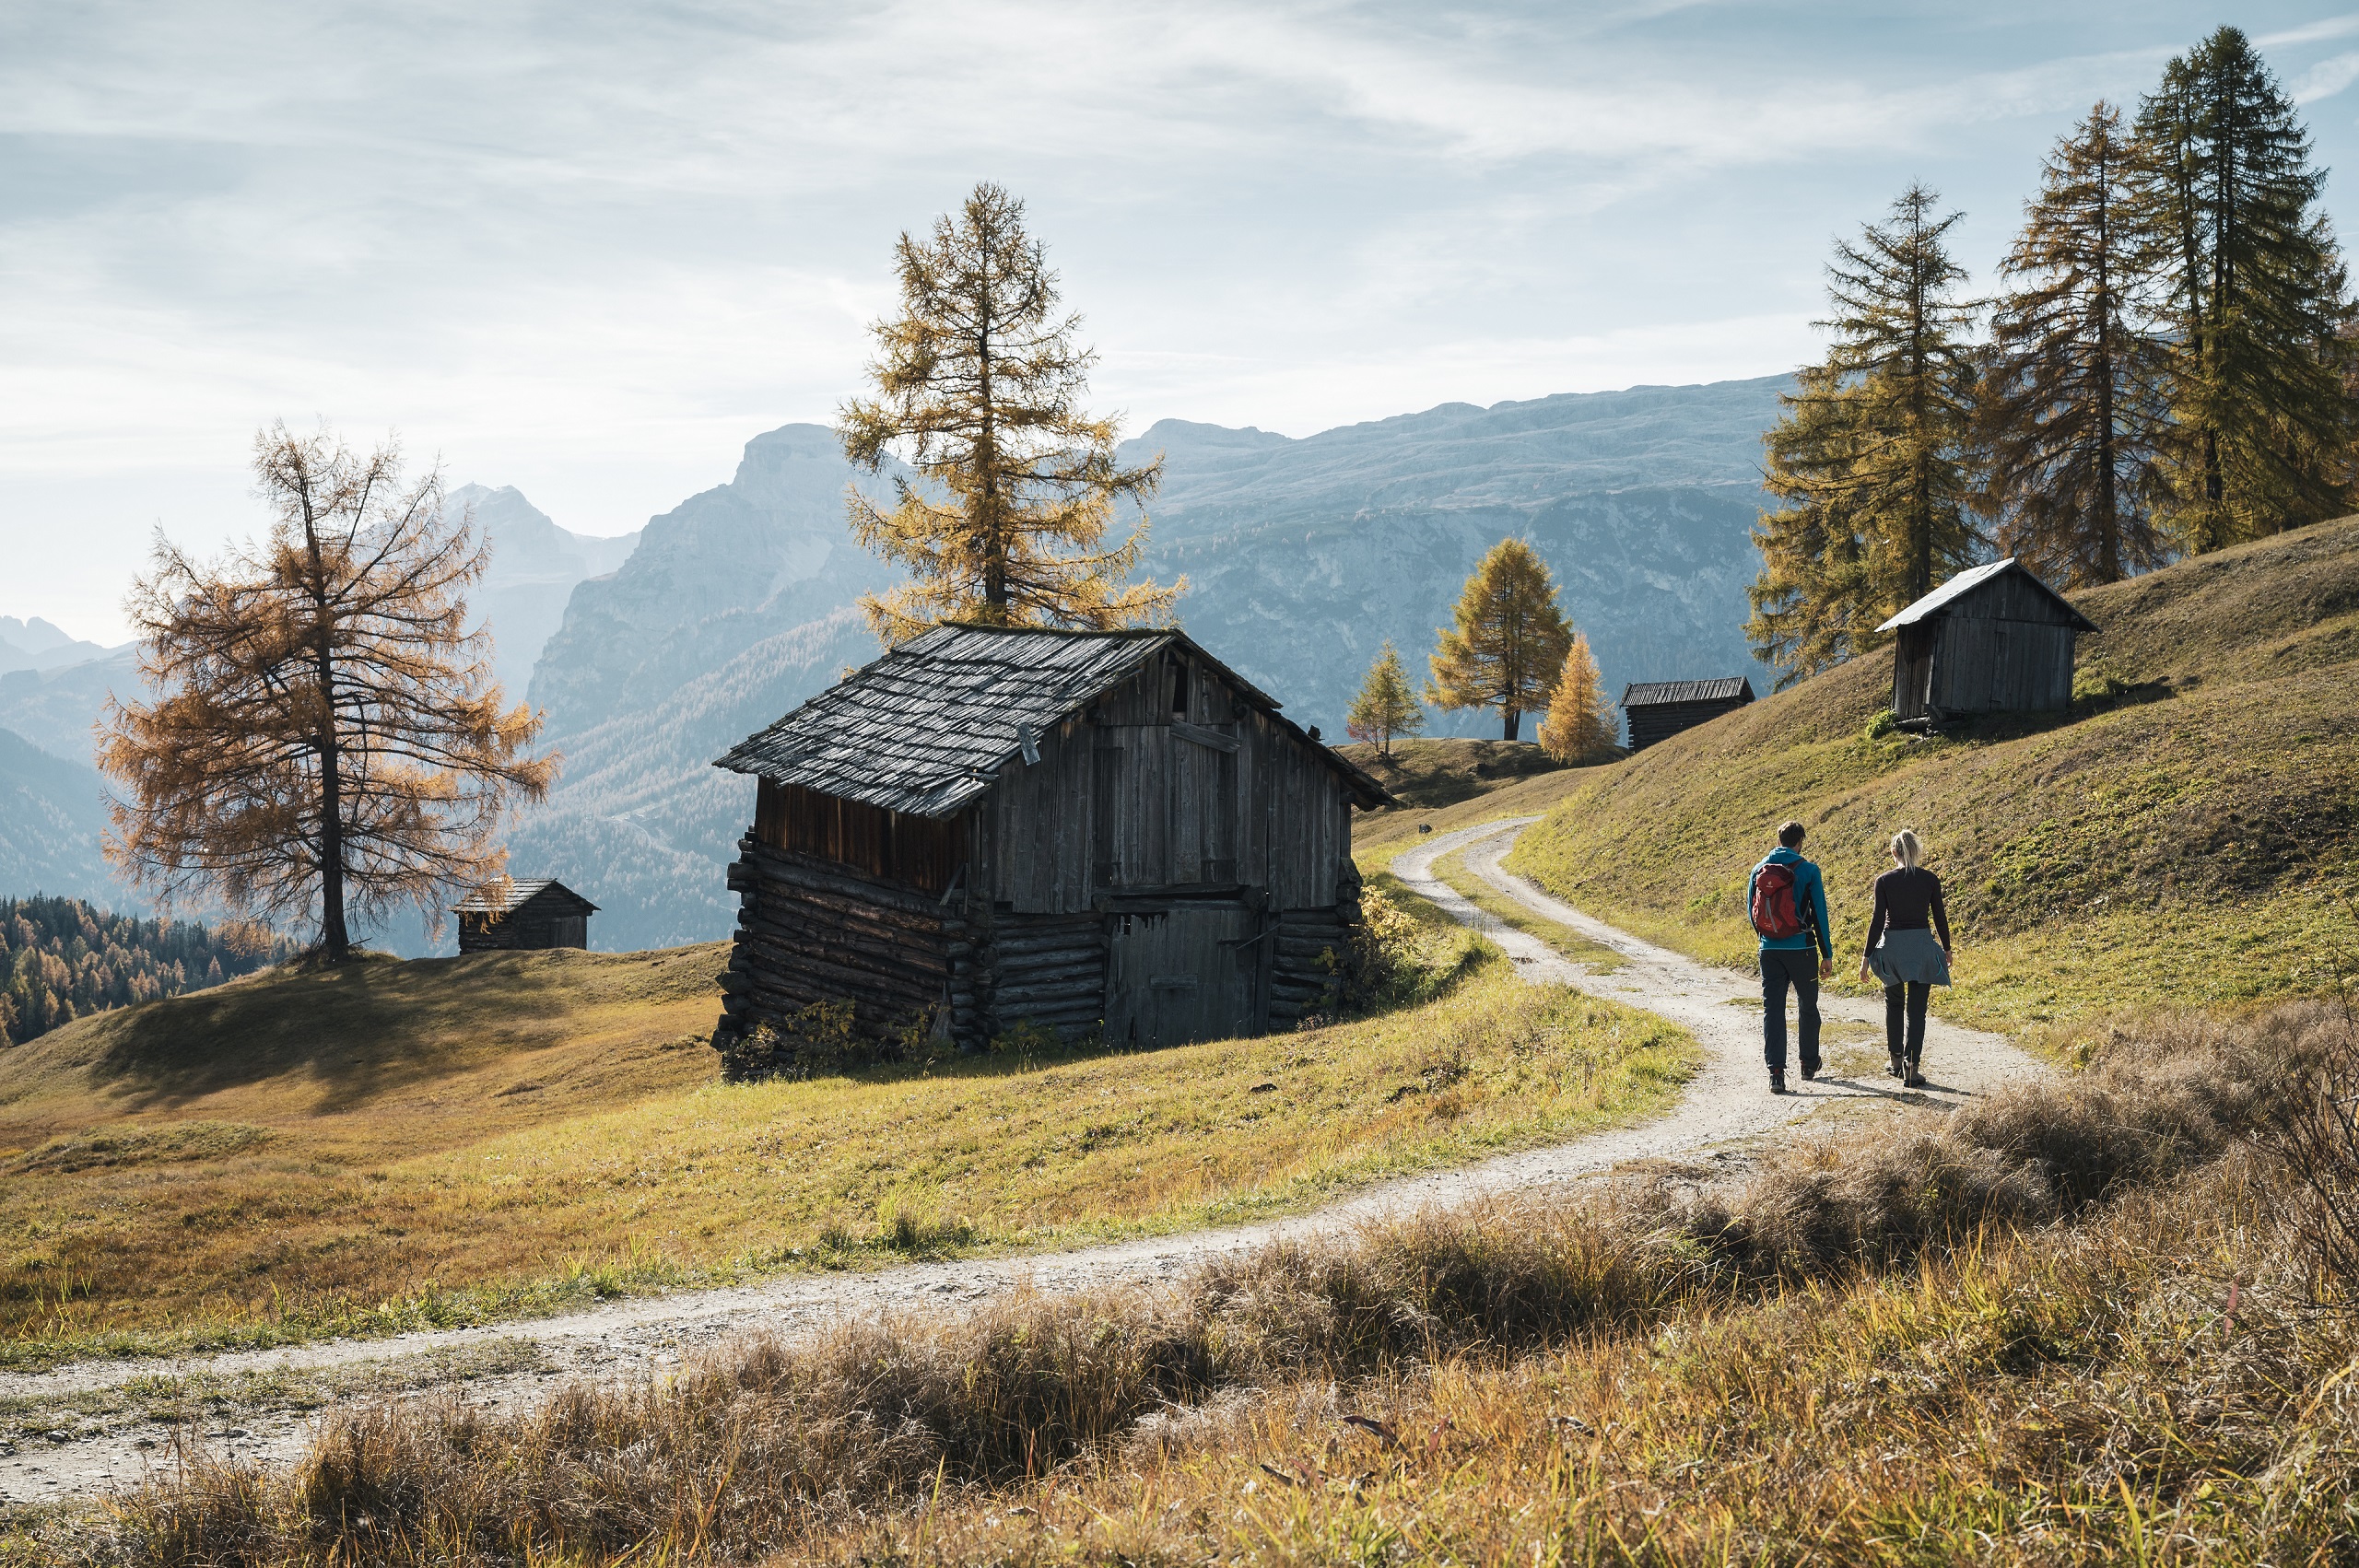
{"type": "Point", "coordinates": [1580, 723]}
{"type": "Point", "coordinates": [1872, 455]}
{"type": "Point", "coordinates": [1508, 642]}
{"type": "Point", "coordinates": [979, 383]}
{"type": "Point", "coordinates": [2253, 298]}
{"type": "Point", "coordinates": [1385, 707]}
{"type": "Point", "coordinates": [323, 738]}
{"type": "Point", "coordinates": [2072, 417]}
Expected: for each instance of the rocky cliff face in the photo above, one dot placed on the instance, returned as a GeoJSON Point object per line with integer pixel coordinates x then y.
{"type": "Point", "coordinates": [1303, 556]}
{"type": "Point", "coordinates": [723, 570]}
{"type": "Point", "coordinates": [535, 566]}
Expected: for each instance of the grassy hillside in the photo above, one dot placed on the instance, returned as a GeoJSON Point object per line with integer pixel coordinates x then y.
{"type": "Point", "coordinates": [1441, 772]}
{"type": "Point", "coordinates": [2172, 839]}
{"type": "Point", "coordinates": [392, 1145]}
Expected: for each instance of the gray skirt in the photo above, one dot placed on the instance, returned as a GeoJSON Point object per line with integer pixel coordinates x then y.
{"type": "Point", "coordinates": [1909, 956]}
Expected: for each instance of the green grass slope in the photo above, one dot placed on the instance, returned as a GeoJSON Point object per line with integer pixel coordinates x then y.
{"type": "Point", "coordinates": [2179, 838]}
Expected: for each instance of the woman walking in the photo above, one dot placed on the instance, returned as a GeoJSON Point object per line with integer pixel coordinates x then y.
{"type": "Point", "coordinates": [1902, 953]}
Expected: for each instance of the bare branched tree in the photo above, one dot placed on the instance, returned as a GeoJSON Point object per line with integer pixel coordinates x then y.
{"type": "Point", "coordinates": [324, 737]}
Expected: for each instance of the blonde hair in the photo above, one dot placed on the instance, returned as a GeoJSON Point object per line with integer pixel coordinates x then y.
{"type": "Point", "coordinates": [1908, 848]}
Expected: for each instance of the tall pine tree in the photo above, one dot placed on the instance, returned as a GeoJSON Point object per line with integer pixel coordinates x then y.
{"type": "Point", "coordinates": [979, 386]}
{"type": "Point", "coordinates": [1509, 640]}
{"type": "Point", "coordinates": [1385, 707]}
{"type": "Point", "coordinates": [2253, 298]}
{"type": "Point", "coordinates": [1871, 457]}
{"type": "Point", "coordinates": [1580, 725]}
{"type": "Point", "coordinates": [2069, 412]}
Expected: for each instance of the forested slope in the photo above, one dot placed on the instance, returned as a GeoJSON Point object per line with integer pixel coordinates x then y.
{"type": "Point", "coordinates": [2176, 837]}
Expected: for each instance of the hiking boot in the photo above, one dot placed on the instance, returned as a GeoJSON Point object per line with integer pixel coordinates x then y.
{"type": "Point", "coordinates": [1809, 1071]}
{"type": "Point", "coordinates": [1915, 1080]}
{"type": "Point", "coordinates": [1776, 1083]}
{"type": "Point", "coordinates": [1896, 1069]}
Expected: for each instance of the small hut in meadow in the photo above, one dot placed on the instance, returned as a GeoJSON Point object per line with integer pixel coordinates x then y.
{"type": "Point", "coordinates": [1659, 709]}
{"type": "Point", "coordinates": [1995, 639]}
{"type": "Point", "coordinates": [990, 827]}
{"type": "Point", "coordinates": [522, 914]}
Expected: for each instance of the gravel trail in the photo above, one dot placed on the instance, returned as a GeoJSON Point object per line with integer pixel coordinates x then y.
{"type": "Point", "coordinates": [98, 1425]}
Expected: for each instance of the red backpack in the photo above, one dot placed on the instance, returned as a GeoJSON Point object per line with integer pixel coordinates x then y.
{"type": "Point", "coordinates": [1776, 913]}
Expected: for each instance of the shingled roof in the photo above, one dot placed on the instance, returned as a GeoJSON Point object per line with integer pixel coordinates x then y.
{"type": "Point", "coordinates": [924, 729]}
{"type": "Point", "coordinates": [1648, 694]}
{"type": "Point", "coordinates": [506, 897]}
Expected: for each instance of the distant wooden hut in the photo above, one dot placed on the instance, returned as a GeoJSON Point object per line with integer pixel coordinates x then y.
{"type": "Point", "coordinates": [523, 914]}
{"type": "Point", "coordinates": [988, 826]}
{"type": "Point", "coordinates": [1995, 639]}
{"type": "Point", "coordinates": [1659, 709]}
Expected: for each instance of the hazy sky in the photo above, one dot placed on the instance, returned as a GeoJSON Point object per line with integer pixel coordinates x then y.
{"type": "Point", "coordinates": [588, 249]}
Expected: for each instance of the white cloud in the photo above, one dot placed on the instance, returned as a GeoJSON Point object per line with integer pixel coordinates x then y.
{"type": "Point", "coordinates": [2327, 77]}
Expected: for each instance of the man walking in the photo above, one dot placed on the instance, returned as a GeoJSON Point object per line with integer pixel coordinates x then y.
{"type": "Point", "coordinates": [1787, 899]}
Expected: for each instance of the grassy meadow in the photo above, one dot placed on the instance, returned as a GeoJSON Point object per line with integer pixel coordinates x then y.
{"type": "Point", "coordinates": [2068, 1323]}
{"type": "Point", "coordinates": [2180, 837]}
{"type": "Point", "coordinates": [392, 1145]}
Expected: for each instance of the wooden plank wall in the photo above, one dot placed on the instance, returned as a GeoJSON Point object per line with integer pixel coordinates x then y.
{"type": "Point", "coordinates": [2000, 666]}
{"type": "Point", "coordinates": [1655, 721]}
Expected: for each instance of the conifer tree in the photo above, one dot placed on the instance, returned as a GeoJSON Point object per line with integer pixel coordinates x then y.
{"type": "Point", "coordinates": [1870, 456]}
{"type": "Point", "coordinates": [2070, 413]}
{"type": "Point", "coordinates": [979, 383]}
{"type": "Point", "coordinates": [1580, 722]}
{"type": "Point", "coordinates": [2253, 298]}
{"type": "Point", "coordinates": [1385, 707]}
{"type": "Point", "coordinates": [1508, 642]}
{"type": "Point", "coordinates": [325, 736]}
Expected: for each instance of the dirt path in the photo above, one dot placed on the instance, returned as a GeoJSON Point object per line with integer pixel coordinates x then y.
{"type": "Point", "coordinates": [97, 1425]}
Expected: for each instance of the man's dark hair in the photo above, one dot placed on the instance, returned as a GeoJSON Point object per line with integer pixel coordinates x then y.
{"type": "Point", "coordinates": [1790, 835]}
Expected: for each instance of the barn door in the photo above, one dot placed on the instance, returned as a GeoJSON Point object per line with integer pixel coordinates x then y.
{"type": "Point", "coordinates": [1179, 976]}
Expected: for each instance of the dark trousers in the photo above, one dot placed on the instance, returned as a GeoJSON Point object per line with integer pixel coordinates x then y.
{"type": "Point", "coordinates": [1781, 967]}
{"type": "Point", "coordinates": [1909, 998]}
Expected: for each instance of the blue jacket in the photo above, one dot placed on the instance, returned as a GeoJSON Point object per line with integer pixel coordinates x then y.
{"type": "Point", "coordinates": [1810, 895]}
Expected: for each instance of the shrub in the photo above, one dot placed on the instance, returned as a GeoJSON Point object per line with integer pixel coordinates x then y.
{"type": "Point", "coordinates": [1389, 959]}
{"type": "Point", "coordinates": [804, 1043]}
{"type": "Point", "coordinates": [1883, 724]}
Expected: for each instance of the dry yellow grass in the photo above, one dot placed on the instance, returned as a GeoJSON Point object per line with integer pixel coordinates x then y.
{"type": "Point", "coordinates": [396, 1145]}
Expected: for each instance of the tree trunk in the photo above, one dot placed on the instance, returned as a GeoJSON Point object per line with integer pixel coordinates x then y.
{"type": "Point", "coordinates": [1514, 722]}
{"type": "Point", "coordinates": [335, 940]}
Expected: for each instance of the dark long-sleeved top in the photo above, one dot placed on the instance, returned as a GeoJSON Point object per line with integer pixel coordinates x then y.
{"type": "Point", "coordinates": [1908, 899]}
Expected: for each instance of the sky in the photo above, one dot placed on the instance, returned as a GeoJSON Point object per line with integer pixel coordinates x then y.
{"type": "Point", "coordinates": [590, 248]}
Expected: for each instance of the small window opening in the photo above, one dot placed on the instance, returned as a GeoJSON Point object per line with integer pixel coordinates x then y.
{"type": "Point", "coordinates": [1179, 691]}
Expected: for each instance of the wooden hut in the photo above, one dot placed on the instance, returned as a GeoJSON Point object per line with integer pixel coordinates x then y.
{"type": "Point", "coordinates": [988, 826]}
{"type": "Point", "coordinates": [1659, 709]}
{"type": "Point", "coordinates": [519, 914]}
{"type": "Point", "coordinates": [1995, 639]}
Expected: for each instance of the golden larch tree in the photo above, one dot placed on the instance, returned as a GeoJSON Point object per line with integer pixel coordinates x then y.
{"type": "Point", "coordinates": [1509, 640]}
{"type": "Point", "coordinates": [1385, 707]}
{"type": "Point", "coordinates": [324, 737]}
{"type": "Point", "coordinates": [979, 385]}
{"type": "Point", "coordinates": [1580, 724]}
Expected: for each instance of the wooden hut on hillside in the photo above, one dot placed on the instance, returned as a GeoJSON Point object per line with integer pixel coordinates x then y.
{"type": "Point", "coordinates": [1659, 709]}
{"type": "Point", "coordinates": [988, 825]}
{"type": "Point", "coordinates": [1995, 639]}
{"type": "Point", "coordinates": [519, 914]}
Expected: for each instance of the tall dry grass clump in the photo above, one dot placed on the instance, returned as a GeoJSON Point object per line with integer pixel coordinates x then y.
{"type": "Point", "coordinates": [763, 1442]}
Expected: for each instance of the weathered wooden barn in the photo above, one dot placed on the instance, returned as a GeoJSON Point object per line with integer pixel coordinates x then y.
{"type": "Point", "coordinates": [988, 826]}
{"type": "Point", "coordinates": [1659, 709]}
{"type": "Point", "coordinates": [1994, 639]}
{"type": "Point", "coordinates": [519, 914]}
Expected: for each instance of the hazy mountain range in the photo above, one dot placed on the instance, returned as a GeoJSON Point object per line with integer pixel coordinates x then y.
{"type": "Point", "coordinates": [652, 653]}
